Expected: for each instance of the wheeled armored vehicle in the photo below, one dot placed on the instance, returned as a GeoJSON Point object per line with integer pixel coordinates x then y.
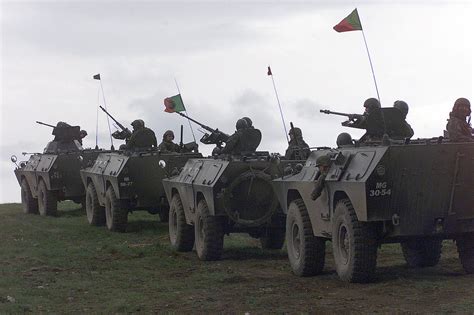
{"type": "Point", "coordinates": [225, 194]}
{"type": "Point", "coordinates": [123, 181]}
{"type": "Point", "coordinates": [416, 193]}
{"type": "Point", "coordinates": [53, 176]}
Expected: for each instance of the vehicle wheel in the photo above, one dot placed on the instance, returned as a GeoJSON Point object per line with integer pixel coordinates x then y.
{"type": "Point", "coordinates": [47, 200]}
{"type": "Point", "coordinates": [465, 246]}
{"type": "Point", "coordinates": [30, 204]}
{"type": "Point", "coordinates": [208, 234]}
{"type": "Point", "coordinates": [181, 233]}
{"type": "Point", "coordinates": [115, 215]}
{"type": "Point", "coordinates": [306, 252]}
{"type": "Point", "coordinates": [273, 238]}
{"type": "Point", "coordinates": [422, 252]}
{"type": "Point", "coordinates": [95, 212]}
{"type": "Point", "coordinates": [354, 245]}
{"type": "Point", "coordinates": [164, 213]}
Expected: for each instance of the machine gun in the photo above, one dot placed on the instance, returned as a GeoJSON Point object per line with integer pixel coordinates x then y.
{"type": "Point", "coordinates": [124, 133]}
{"type": "Point", "coordinates": [215, 136]}
{"type": "Point", "coordinates": [351, 117]}
{"type": "Point", "coordinates": [45, 124]}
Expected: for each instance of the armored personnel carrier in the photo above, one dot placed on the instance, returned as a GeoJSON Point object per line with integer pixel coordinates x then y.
{"type": "Point", "coordinates": [53, 176]}
{"type": "Point", "coordinates": [416, 193]}
{"type": "Point", "coordinates": [128, 180]}
{"type": "Point", "coordinates": [225, 194]}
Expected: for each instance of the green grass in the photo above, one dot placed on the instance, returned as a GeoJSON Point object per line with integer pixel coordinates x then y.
{"type": "Point", "coordinates": [63, 265]}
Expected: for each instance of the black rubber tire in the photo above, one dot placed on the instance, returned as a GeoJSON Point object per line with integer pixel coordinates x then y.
{"type": "Point", "coordinates": [465, 246]}
{"type": "Point", "coordinates": [47, 200]}
{"type": "Point", "coordinates": [181, 234]}
{"type": "Point", "coordinates": [30, 204]}
{"type": "Point", "coordinates": [208, 234]}
{"type": "Point", "coordinates": [94, 211]}
{"type": "Point", "coordinates": [354, 245]}
{"type": "Point", "coordinates": [273, 238]}
{"type": "Point", "coordinates": [116, 216]}
{"type": "Point", "coordinates": [306, 252]}
{"type": "Point", "coordinates": [421, 253]}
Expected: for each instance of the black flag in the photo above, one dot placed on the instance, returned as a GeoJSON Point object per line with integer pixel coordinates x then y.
{"type": "Point", "coordinates": [97, 76]}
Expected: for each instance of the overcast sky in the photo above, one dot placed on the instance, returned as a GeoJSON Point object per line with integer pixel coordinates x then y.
{"type": "Point", "coordinates": [218, 51]}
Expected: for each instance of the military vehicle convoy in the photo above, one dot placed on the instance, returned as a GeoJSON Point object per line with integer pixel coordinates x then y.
{"type": "Point", "coordinates": [49, 177]}
{"type": "Point", "coordinates": [416, 193]}
{"type": "Point", "coordinates": [225, 194]}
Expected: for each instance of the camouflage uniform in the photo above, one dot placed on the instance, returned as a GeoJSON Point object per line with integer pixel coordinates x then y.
{"type": "Point", "coordinates": [168, 146]}
{"type": "Point", "coordinates": [374, 130]}
{"type": "Point", "coordinates": [233, 145]}
{"type": "Point", "coordinates": [297, 149]}
{"type": "Point", "coordinates": [457, 127]}
{"type": "Point", "coordinates": [405, 130]}
{"type": "Point", "coordinates": [323, 162]}
{"type": "Point", "coordinates": [142, 137]}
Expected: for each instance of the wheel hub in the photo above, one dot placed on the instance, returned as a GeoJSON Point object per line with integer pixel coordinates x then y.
{"type": "Point", "coordinates": [344, 243]}
{"type": "Point", "coordinates": [296, 240]}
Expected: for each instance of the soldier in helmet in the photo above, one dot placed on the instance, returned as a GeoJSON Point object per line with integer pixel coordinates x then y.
{"type": "Point", "coordinates": [458, 128]}
{"type": "Point", "coordinates": [375, 129]}
{"type": "Point", "coordinates": [234, 144]}
{"type": "Point", "coordinates": [406, 130]}
{"type": "Point", "coordinates": [297, 149]}
{"type": "Point", "coordinates": [142, 137]}
{"type": "Point", "coordinates": [82, 135]}
{"type": "Point", "coordinates": [167, 145]}
{"type": "Point", "coordinates": [323, 163]}
{"type": "Point", "coordinates": [344, 139]}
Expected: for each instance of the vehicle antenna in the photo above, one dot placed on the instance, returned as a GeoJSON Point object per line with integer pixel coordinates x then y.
{"type": "Point", "coordinates": [190, 126]}
{"type": "Point", "coordinates": [97, 77]}
{"type": "Point", "coordinates": [269, 72]}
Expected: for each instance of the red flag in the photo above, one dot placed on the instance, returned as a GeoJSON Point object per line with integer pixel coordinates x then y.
{"type": "Point", "coordinates": [269, 72]}
{"type": "Point", "coordinates": [349, 23]}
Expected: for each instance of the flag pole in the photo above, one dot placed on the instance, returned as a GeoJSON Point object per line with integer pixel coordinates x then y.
{"type": "Point", "coordinates": [371, 66]}
{"type": "Point", "coordinates": [97, 77]}
{"type": "Point", "coordinates": [270, 73]}
{"type": "Point", "coordinates": [189, 122]}
{"type": "Point", "coordinates": [97, 121]}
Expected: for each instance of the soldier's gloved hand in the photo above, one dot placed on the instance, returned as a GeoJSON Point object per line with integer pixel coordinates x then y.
{"type": "Point", "coordinates": [315, 194]}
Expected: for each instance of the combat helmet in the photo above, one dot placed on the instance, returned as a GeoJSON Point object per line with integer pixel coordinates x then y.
{"type": "Point", "coordinates": [371, 103]}
{"type": "Point", "coordinates": [249, 122]}
{"type": "Point", "coordinates": [323, 160]}
{"type": "Point", "coordinates": [461, 103]}
{"type": "Point", "coordinates": [168, 132]}
{"type": "Point", "coordinates": [402, 106]}
{"type": "Point", "coordinates": [241, 124]}
{"type": "Point", "coordinates": [343, 139]}
{"type": "Point", "coordinates": [138, 123]}
{"type": "Point", "coordinates": [296, 132]}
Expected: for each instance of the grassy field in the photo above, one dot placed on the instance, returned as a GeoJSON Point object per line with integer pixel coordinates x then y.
{"type": "Point", "coordinates": [61, 264]}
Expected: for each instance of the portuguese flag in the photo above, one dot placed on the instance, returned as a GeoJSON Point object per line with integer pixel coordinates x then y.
{"type": "Point", "coordinates": [174, 104]}
{"type": "Point", "coordinates": [350, 23]}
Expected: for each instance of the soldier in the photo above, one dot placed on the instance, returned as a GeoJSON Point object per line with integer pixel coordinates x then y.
{"type": "Point", "coordinates": [167, 145]}
{"type": "Point", "coordinates": [375, 129]}
{"type": "Point", "coordinates": [323, 163]}
{"type": "Point", "coordinates": [458, 128]}
{"type": "Point", "coordinates": [297, 149]}
{"type": "Point", "coordinates": [82, 135]}
{"type": "Point", "coordinates": [142, 137]}
{"type": "Point", "coordinates": [234, 144]}
{"type": "Point", "coordinates": [406, 130]}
